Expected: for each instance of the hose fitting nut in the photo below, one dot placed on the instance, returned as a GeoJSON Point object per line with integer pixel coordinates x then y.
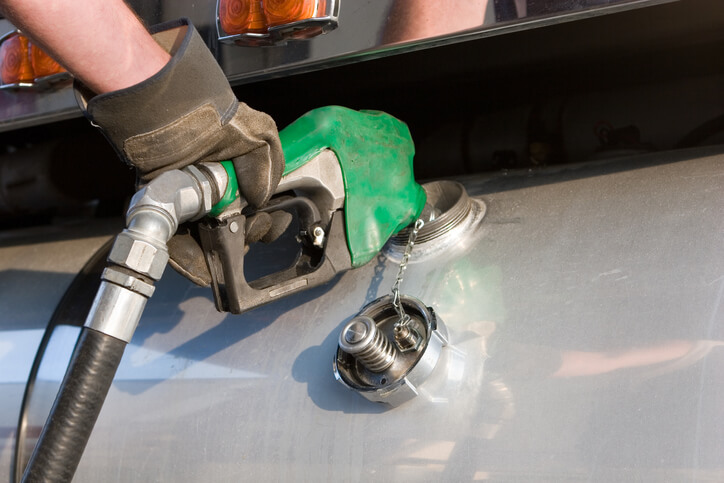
{"type": "Point", "coordinates": [141, 255]}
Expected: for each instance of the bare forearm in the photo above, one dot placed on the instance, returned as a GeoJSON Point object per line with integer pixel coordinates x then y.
{"type": "Point", "coordinates": [100, 41]}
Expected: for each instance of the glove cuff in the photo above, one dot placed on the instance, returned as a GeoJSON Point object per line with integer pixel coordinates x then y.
{"type": "Point", "coordinates": [192, 79]}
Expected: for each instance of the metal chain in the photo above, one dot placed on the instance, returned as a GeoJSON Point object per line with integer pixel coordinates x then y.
{"type": "Point", "coordinates": [404, 318]}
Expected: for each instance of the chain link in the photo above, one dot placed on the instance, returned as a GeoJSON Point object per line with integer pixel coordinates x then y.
{"type": "Point", "coordinates": [404, 319]}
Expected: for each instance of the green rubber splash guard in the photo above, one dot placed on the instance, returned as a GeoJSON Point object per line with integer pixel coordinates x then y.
{"type": "Point", "coordinates": [375, 152]}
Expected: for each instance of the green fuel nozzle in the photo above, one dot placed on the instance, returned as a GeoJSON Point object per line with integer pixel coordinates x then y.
{"type": "Point", "coordinates": [375, 152]}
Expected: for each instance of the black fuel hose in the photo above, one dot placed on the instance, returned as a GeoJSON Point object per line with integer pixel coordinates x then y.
{"type": "Point", "coordinates": [76, 408]}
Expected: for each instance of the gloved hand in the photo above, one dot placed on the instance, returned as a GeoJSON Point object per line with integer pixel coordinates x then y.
{"type": "Point", "coordinates": [187, 113]}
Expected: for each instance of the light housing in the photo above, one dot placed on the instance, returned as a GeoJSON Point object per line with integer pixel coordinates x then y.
{"type": "Point", "coordinates": [274, 22]}
{"type": "Point", "coordinates": [25, 65]}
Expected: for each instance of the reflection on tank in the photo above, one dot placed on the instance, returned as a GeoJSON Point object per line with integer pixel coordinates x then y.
{"type": "Point", "coordinates": [422, 19]}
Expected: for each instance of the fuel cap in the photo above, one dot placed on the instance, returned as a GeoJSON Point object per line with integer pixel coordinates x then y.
{"type": "Point", "coordinates": [385, 361]}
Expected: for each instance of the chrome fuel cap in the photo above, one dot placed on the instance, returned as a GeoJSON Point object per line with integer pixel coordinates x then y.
{"type": "Point", "coordinates": [384, 362]}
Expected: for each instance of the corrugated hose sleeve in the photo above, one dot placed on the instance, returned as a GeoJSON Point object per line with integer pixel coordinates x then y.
{"type": "Point", "coordinates": [76, 408]}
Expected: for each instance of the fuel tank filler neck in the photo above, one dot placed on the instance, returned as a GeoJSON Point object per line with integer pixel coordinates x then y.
{"type": "Point", "coordinates": [449, 217]}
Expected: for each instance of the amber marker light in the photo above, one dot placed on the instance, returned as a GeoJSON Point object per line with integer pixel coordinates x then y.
{"type": "Point", "coordinates": [273, 22]}
{"type": "Point", "coordinates": [280, 12]}
{"type": "Point", "coordinates": [23, 64]}
{"type": "Point", "coordinates": [15, 65]}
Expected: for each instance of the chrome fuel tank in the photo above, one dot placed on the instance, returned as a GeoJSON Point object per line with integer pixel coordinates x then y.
{"type": "Point", "coordinates": [585, 324]}
{"type": "Point", "coordinates": [37, 266]}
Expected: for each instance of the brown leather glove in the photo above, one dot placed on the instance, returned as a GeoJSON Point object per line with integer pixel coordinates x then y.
{"type": "Point", "coordinates": [187, 113]}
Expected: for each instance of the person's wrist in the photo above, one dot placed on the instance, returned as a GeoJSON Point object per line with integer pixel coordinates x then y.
{"type": "Point", "coordinates": [189, 80]}
{"type": "Point", "coordinates": [175, 117]}
{"type": "Point", "coordinates": [146, 57]}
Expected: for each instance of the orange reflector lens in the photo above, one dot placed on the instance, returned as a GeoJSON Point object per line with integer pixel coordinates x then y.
{"type": "Point", "coordinates": [257, 16]}
{"type": "Point", "coordinates": [23, 62]}
{"type": "Point", "coordinates": [239, 16]}
{"type": "Point", "coordinates": [279, 12]}
{"type": "Point", "coordinates": [16, 65]}
{"type": "Point", "coordinates": [43, 64]}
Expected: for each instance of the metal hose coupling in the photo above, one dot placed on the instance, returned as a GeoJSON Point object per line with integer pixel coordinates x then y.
{"type": "Point", "coordinates": [137, 259]}
{"type": "Point", "coordinates": [139, 254]}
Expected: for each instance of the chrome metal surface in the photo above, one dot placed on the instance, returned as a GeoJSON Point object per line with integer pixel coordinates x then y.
{"type": "Point", "coordinates": [119, 304]}
{"type": "Point", "coordinates": [156, 210]}
{"type": "Point", "coordinates": [447, 207]}
{"type": "Point", "coordinates": [450, 218]}
{"type": "Point", "coordinates": [140, 253]}
{"type": "Point", "coordinates": [217, 175]}
{"type": "Point", "coordinates": [369, 363]}
{"type": "Point", "coordinates": [154, 215]}
{"type": "Point", "coordinates": [407, 338]}
{"type": "Point", "coordinates": [134, 284]}
{"type": "Point", "coordinates": [175, 196]}
{"type": "Point", "coordinates": [116, 311]}
{"type": "Point", "coordinates": [207, 189]}
{"type": "Point", "coordinates": [318, 236]}
{"type": "Point", "coordinates": [585, 324]}
{"type": "Point", "coordinates": [367, 29]}
{"type": "Point", "coordinates": [371, 347]}
{"type": "Point", "coordinates": [46, 82]}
